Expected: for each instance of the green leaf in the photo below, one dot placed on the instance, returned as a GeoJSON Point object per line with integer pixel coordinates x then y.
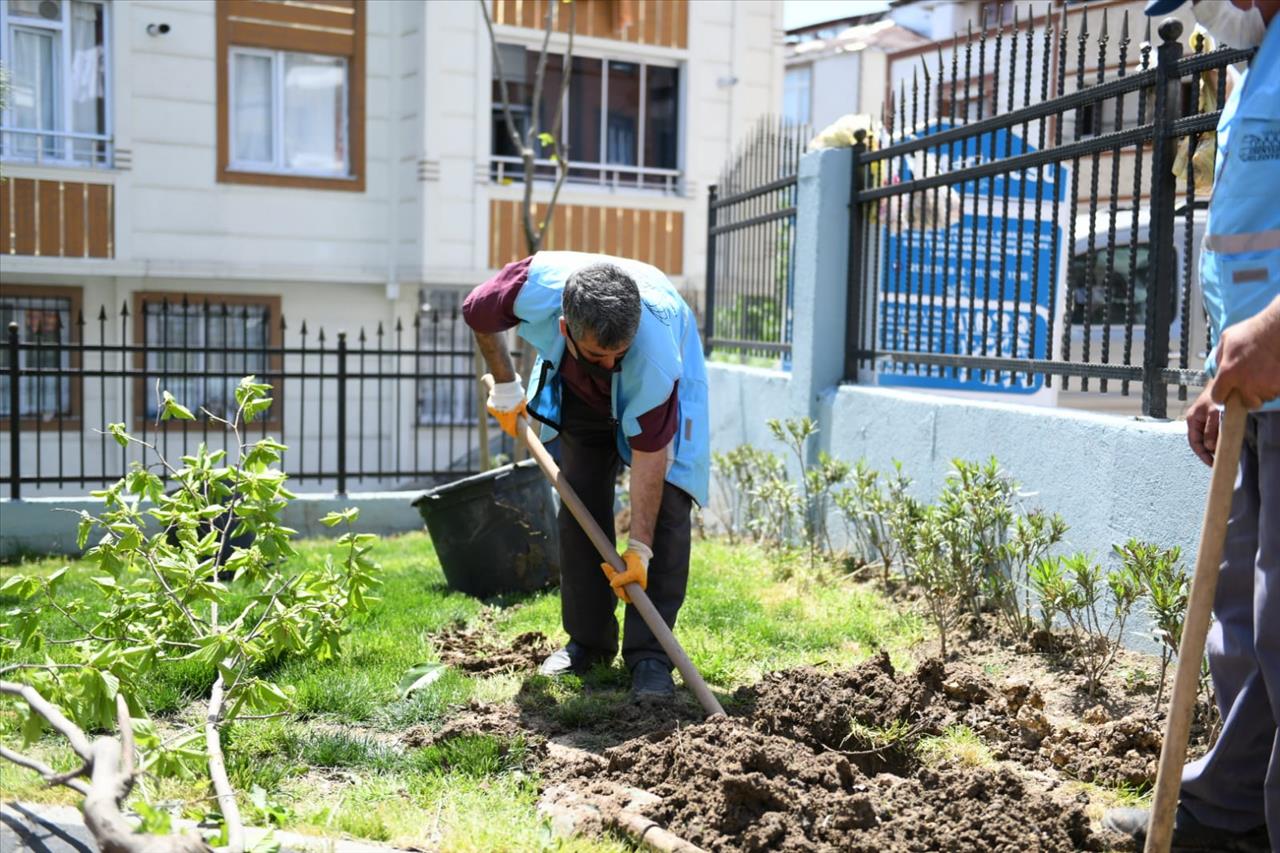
{"type": "Point", "coordinates": [83, 530]}
{"type": "Point", "coordinates": [546, 139]}
{"type": "Point", "coordinates": [171, 408]}
{"type": "Point", "coordinates": [32, 726]}
{"type": "Point", "coordinates": [119, 433]}
{"type": "Point", "coordinates": [420, 676]}
{"type": "Point", "coordinates": [154, 821]}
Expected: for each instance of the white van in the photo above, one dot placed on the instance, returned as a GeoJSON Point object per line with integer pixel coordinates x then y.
{"type": "Point", "coordinates": [1106, 311]}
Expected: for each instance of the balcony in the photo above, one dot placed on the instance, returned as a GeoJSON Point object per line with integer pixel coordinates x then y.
{"type": "Point", "coordinates": [56, 148]}
{"type": "Point", "coordinates": [41, 217]}
{"type": "Point", "coordinates": [652, 236]}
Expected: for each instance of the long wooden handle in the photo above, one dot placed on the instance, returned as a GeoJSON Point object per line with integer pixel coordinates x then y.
{"type": "Point", "coordinates": [1186, 684]}
{"type": "Point", "coordinates": [639, 598]}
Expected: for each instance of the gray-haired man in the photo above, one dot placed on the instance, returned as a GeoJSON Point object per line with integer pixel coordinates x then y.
{"type": "Point", "coordinates": [619, 379]}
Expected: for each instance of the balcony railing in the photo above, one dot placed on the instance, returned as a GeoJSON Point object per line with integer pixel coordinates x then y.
{"type": "Point", "coordinates": [505, 168]}
{"type": "Point", "coordinates": [56, 148]}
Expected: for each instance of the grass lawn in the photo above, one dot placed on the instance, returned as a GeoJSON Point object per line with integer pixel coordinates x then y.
{"type": "Point", "coordinates": [335, 766]}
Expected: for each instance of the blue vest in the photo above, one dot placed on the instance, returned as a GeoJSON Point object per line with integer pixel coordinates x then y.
{"type": "Point", "coordinates": [666, 349]}
{"type": "Point", "coordinates": [1240, 261]}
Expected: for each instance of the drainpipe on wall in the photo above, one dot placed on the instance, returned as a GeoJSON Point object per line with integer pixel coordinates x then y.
{"type": "Point", "coordinates": [393, 161]}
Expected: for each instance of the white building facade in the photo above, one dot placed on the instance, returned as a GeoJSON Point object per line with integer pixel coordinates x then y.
{"type": "Point", "coordinates": [326, 161]}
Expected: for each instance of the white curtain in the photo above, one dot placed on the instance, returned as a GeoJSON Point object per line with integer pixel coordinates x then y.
{"type": "Point", "coordinates": [253, 140]}
{"type": "Point", "coordinates": [32, 95]}
{"type": "Point", "coordinates": [87, 86]}
{"type": "Point", "coordinates": [315, 118]}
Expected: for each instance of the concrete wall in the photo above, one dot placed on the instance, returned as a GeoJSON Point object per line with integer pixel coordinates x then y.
{"type": "Point", "coordinates": [44, 526]}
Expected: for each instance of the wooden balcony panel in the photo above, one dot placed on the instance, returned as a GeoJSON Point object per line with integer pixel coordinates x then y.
{"type": "Point", "coordinates": [56, 219]}
{"type": "Point", "coordinates": [664, 23]}
{"type": "Point", "coordinates": [653, 236]}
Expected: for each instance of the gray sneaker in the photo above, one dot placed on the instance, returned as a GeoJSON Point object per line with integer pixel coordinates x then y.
{"type": "Point", "coordinates": [574, 658]}
{"type": "Point", "coordinates": [1189, 835]}
{"type": "Point", "coordinates": [651, 681]}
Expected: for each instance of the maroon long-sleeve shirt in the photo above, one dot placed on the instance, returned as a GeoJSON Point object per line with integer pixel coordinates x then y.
{"type": "Point", "coordinates": [490, 309]}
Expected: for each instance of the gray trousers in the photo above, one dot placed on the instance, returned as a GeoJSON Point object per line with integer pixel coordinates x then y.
{"type": "Point", "coordinates": [589, 461]}
{"type": "Point", "coordinates": [1236, 786]}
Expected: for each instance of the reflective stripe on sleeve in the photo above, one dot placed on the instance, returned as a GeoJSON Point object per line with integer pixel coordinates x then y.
{"type": "Point", "coordinates": [1234, 244]}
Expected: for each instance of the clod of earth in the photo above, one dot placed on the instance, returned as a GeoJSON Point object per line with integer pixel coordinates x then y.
{"type": "Point", "coordinates": [477, 650]}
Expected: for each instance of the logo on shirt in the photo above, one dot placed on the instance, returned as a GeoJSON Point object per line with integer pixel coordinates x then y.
{"type": "Point", "coordinates": [1261, 146]}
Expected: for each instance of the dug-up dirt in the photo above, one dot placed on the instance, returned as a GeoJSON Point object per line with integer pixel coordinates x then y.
{"type": "Point", "coordinates": [815, 760]}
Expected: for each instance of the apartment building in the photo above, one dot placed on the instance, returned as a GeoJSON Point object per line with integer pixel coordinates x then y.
{"type": "Point", "coordinates": [338, 162]}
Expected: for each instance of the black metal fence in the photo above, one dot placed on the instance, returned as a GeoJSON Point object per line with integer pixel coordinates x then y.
{"type": "Point", "coordinates": [983, 254]}
{"type": "Point", "coordinates": [392, 407]}
{"type": "Point", "coordinates": [751, 234]}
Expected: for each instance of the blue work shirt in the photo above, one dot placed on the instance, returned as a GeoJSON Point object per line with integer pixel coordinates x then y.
{"type": "Point", "coordinates": [666, 350]}
{"type": "Point", "coordinates": [1240, 258]}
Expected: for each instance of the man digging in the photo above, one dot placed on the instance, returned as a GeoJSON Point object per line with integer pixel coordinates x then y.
{"type": "Point", "coordinates": [1230, 797]}
{"type": "Point", "coordinates": [620, 380]}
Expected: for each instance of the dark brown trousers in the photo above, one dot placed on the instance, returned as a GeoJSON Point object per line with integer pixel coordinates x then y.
{"type": "Point", "coordinates": [590, 462]}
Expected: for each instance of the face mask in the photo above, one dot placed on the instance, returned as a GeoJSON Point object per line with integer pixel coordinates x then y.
{"type": "Point", "coordinates": [589, 367]}
{"type": "Point", "coordinates": [1229, 25]}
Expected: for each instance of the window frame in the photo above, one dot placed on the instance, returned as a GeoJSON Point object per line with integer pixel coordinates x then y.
{"type": "Point", "coordinates": [75, 294]}
{"type": "Point", "coordinates": [274, 354]}
{"type": "Point", "coordinates": [501, 166]}
{"type": "Point", "coordinates": [276, 166]}
{"type": "Point", "coordinates": [277, 35]}
{"type": "Point", "coordinates": [63, 137]}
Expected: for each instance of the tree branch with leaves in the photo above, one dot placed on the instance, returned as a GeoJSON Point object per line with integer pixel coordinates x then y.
{"type": "Point", "coordinates": [161, 601]}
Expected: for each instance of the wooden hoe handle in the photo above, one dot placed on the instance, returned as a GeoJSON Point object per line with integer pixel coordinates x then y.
{"type": "Point", "coordinates": [1186, 684]}
{"type": "Point", "coordinates": [610, 555]}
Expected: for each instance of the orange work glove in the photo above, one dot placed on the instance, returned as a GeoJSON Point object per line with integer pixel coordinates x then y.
{"type": "Point", "coordinates": [637, 559]}
{"type": "Point", "coordinates": [506, 403]}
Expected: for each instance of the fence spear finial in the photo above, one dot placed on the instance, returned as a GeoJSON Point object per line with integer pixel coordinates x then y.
{"type": "Point", "coordinates": [102, 313]}
{"type": "Point", "coordinates": [124, 308]}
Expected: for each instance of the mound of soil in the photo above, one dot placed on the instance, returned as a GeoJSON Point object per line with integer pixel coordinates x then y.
{"type": "Point", "coordinates": [479, 651]}
{"type": "Point", "coordinates": [724, 785]}
{"type": "Point", "coordinates": [827, 761]}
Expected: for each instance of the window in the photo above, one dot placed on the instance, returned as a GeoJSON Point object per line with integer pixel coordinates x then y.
{"type": "Point", "coordinates": [55, 53]}
{"type": "Point", "coordinates": [1110, 294]}
{"type": "Point", "coordinates": [619, 126]}
{"type": "Point", "coordinates": [796, 99]}
{"type": "Point", "coordinates": [48, 318]}
{"type": "Point", "coordinates": [288, 113]}
{"type": "Point", "coordinates": [200, 351]}
{"type": "Point", "coordinates": [997, 13]}
{"type": "Point", "coordinates": [291, 93]}
{"type": "Point", "coordinates": [447, 354]}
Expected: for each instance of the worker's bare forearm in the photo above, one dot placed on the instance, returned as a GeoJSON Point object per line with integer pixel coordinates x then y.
{"type": "Point", "coordinates": [497, 356]}
{"type": "Point", "coordinates": [648, 471]}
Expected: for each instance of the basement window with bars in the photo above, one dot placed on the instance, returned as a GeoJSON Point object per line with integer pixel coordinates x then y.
{"type": "Point", "coordinates": [200, 352]}
{"type": "Point", "coordinates": [446, 348]}
{"type": "Point", "coordinates": [46, 321]}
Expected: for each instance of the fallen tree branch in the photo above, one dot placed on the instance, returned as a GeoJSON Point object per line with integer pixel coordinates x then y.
{"type": "Point", "coordinates": [55, 718]}
{"type": "Point", "coordinates": [45, 771]}
{"type": "Point", "coordinates": [110, 766]}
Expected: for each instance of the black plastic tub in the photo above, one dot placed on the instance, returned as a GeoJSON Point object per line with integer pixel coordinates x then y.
{"type": "Point", "coordinates": [495, 532]}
